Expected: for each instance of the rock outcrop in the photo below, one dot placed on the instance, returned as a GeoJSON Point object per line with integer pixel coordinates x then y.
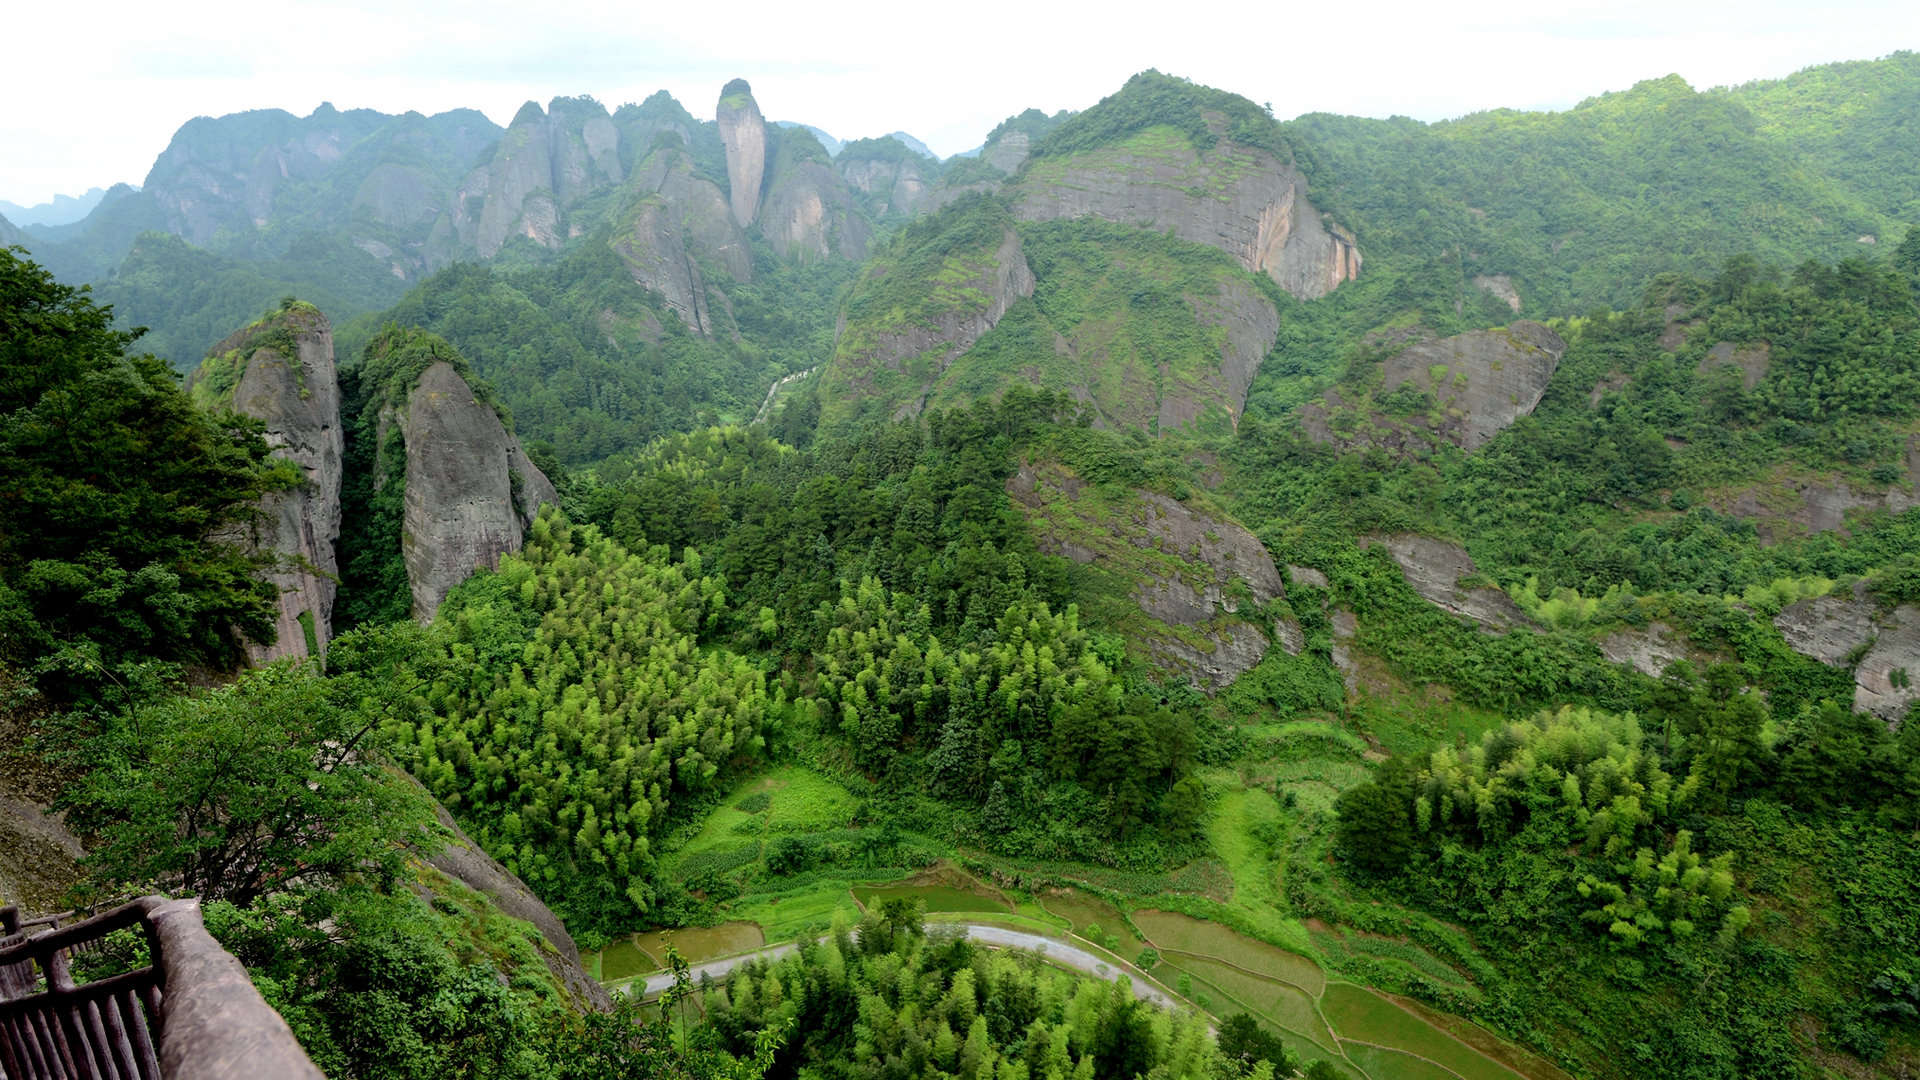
{"type": "Point", "coordinates": [1788, 505]}
{"type": "Point", "coordinates": [1434, 569]}
{"type": "Point", "coordinates": [1500, 287]}
{"type": "Point", "coordinates": [894, 186]}
{"type": "Point", "coordinates": [281, 371]}
{"type": "Point", "coordinates": [675, 220]}
{"type": "Point", "coordinates": [744, 134]}
{"type": "Point", "coordinates": [471, 492]}
{"type": "Point", "coordinates": [1477, 384]}
{"type": "Point", "coordinates": [545, 164]}
{"type": "Point", "coordinates": [1887, 680]}
{"type": "Point", "coordinates": [1240, 199]}
{"type": "Point", "coordinates": [904, 362]}
{"type": "Point", "coordinates": [1187, 571]}
{"type": "Point", "coordinates": [1482, 380]}
{"type": "Point", "coordinates": [808, 215]}
{"type": "Point", "coordinates": [464, 861]}
{"type": "Point", "coordinates": [1883, 647]}
{"type": "Point", "coordinates": [1008, 152]}
{"type": "Point", "coordinates": [1648, 650]}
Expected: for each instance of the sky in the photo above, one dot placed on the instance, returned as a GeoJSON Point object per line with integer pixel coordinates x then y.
{"type": "Point", "coordinates": [96, 90]}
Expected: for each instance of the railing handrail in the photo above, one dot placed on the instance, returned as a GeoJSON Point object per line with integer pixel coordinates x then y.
{"type": "Point", "coordinates": [209, 1021]}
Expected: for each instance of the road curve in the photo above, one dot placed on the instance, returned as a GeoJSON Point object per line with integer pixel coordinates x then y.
{"type": "Point", "coordinates": [1055, 950]}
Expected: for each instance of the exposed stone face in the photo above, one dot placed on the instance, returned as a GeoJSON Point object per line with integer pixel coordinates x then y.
{"type": "Point", "coordinates": [1480, 382]}
{"type": "Point", "coordinates": [1306, 575]}
{"type": "Point", "coordinates": [1896, 649]}
{"type": "Point", "coordinates": [471, 491]}
{"type": "Point", "coordinates": [1239, 199]}
{"type": "Point", "coordinates": [894, 188]}
{"type": "Point", "coordinates": [465, 862]}
{"type": "Point", "coordinates": [1835, 628]}
{"type": "Point", "coordinates": [1647, 650]}
{"type": "Point", "coordinates": [1501, 286]}
{"type": "Point", "coordinates": [1251, 324]}
{"type": "Point", "coordinates": [1000, 282]}
{"type": "Point", "coordinates": [674, 217]}
{"type": "Point", "coordinates": [1828, 628]}
{"type": "Point", "coordinates": [1346, 627]}
{"type": "Point", "coordinates": [1007, 152]}
{"type": "Point", "coordinates": [744, 134]}
{"type": "Point", "coordinates": [298, 397]}
{"type": "Point", "coordinates": [1483, 380]}
{"type": "Point", "coordinates": [1182, 565]}
{"type": "Point", "coordinates": [808, 215]}
{"type": "Point", "coordinates": [1751, 360]}
{"type": "Point", "coordinates": [1434, 569]}
{"type": "Point", "coordinates": [1795, 506]}
{"type": "Point", "coordinates": [544, 165]}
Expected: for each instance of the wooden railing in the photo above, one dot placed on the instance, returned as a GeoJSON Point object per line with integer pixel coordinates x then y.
{"type": "Point", "coordinates": [192, 1014]}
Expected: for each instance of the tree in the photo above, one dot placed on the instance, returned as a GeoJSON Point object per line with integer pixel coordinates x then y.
{"type": "Point", "coordinates": [274, 781]}
{"type": "Point", "coordinates": [118, 496]}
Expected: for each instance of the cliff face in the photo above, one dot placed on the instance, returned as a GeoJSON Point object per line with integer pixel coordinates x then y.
{"type": "Point", "coordinates": [809, 215]}
{"type": "Point", "coordinates": [1187, 572]}
{"type": "Point", "coordinates": [544, 165]}
{"type": "Point", "coordinates": [1435, 568]}
{"type": "Point", "coordinates": [465, 862]}
{"type": "Point", "coordinates": [676, 220]}
{"type": "Point", "coordinates": [1475, 385]}
{"type": "Point", "coordinates": [471, 492]}
{"type": "Point", "coordinates": [1240, 199]}
{"type": "Point", "coordinates": [744, 133]}
{"type": "Point", "coordinates": [893, 188]}
{"type": "Point", "coordinates": [901, 359]}
{"type": "Point", "coordinates": [1836, 628]}
{"type": "Point", "coordinates": [281, 371]}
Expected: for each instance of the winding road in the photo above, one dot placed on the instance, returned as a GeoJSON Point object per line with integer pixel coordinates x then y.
{"type": "Point", "coordinates": [1056, 951]}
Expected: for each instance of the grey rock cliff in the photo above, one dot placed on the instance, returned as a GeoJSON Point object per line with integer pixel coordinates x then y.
{"type": "Point", "coordinates": [744, 134]}
{"type": "Point", "coordinates": [809, 215]}
{"type": "Point", "coordinates": [1434, 568]}
{"type": "Point", "coordinates": [465, 862]}
{"type": "Point", "coordinates": [1186, 569]}
{"type": "Point", "coordinates": [1479, 382]}
{"type": "Point", "coordinates": [1836, 628]}
{"type": "Point", "coordinates": [471, 491]}
{"type": "Point", "coordinates": [545, 164]}
{"type": "Point", "coordinates": [1482, 380]}
{"type": "Point", "coordinates": [893, 188]}
{"type": "Point", "coordinates": [997, 284]}
{"type": "Point", "coordinates": [1240, 199]}
{"type": "Point", "coordinates": [675, 220]}
{"type": "Point", "coordinates": [298, 398]}
{"type": "Point", "coordinates": [1895, 649]}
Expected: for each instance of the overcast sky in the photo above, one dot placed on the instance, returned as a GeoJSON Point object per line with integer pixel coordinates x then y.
{"type": "Point", "coordinates": [95, 91]}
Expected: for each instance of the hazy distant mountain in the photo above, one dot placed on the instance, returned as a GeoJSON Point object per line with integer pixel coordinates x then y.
{"type": "Point", "coordinates": [914, 144]}
{"type": "Point", "coordinates": [63, 210]}
{"type": "Point", "coordinates": [832, 144]}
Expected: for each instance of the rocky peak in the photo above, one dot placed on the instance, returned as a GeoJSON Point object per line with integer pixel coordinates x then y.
{"type": "Point", "coordinates": [744, 134]}
{"type": "Point", "coordinates": [675, 220]}
{"type": "Point", "coordinates": [546, 163]}
{"type": "Point", "coordinates": [280, 370]}
{"type": "Point", "coordinates": [471, 492]}
{"type": "Point", "coordinates": [808, 213]}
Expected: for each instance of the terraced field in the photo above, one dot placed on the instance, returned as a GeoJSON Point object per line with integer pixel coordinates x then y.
{"type": "Point", "coordinates": [1364, 1034]}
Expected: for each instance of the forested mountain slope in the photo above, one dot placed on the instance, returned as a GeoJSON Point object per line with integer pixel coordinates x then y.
{"type": "Point", "coordinates": [1434, 597]}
